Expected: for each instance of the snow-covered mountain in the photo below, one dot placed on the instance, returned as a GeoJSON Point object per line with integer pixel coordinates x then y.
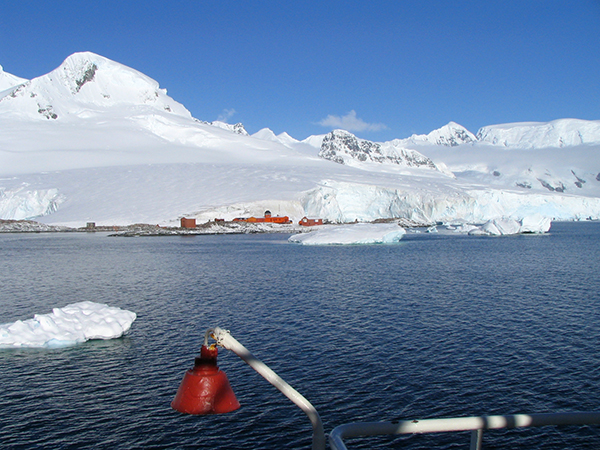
{"type": "Point", "coordinates": [450, 135]}
{"type": "Point", "coordinates": [558, 133]}
{"type": "Point", "coordinates": [343, 147]}
{"type": "Point", "coordinates": [8, 81]}
{"type": "Point", "coordinates": [266, 134]}
{"type": "Point", "coordinates": [237, 128]}
{"type": "Point", "coordinates": [95, 140]}
{"type": "Point", "coordinates": [493, 162]}
{"type": "Point", "coordinates": [314, 141]}
{"type": "Point", "coordinates": [94, 112]}
{"type": "Point", "coordinates": [84, 85]}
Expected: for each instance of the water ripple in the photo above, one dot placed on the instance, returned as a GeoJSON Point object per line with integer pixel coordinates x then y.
{"type": "Point", "coordinates": [434, 327]}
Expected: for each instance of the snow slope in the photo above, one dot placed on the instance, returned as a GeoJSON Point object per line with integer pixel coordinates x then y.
{"type": "Point", "coordinates": [8, 81]}
{"type": "Point", "coordinates": [558, 133]}
{"type": "Point", "coordinates": [97, 141]}
{"type": "Point", "coordinates": [238, 128]}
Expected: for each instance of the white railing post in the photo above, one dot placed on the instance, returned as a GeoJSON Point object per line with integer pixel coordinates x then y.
{"type": "Point", "coordinates": [476, 439]}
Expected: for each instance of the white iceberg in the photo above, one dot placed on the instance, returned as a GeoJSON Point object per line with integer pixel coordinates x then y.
{"type": "Point", "coordinates": [502, 227]}
{"type": "Point", "coordinates": [536, 223]}
{"type": "Point", "coordinates": [67, 326]}
{"type": "Point", "coordinates": [360, 233]}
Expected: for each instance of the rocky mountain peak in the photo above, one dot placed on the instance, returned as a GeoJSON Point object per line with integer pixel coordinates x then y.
{"type": "Point", "coordinates": [237, 128]}
{"type": "Point", "coordinates": [343, 147]}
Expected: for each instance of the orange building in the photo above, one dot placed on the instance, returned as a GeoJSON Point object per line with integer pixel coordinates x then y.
{"type": "Point", "coordinates": [305, 222]}
{"type": "Point", "coordinates": [268, 218]}
{"type": "Point", "coordinates": [188, 223]}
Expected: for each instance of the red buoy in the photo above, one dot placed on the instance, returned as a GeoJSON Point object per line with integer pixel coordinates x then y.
{"type": "Point", "coordinates": [205, 388]}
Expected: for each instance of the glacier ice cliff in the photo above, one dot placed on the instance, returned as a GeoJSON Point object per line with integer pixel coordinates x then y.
{"type": "Point", "coordinates": [22, 203]}
{"type": "Point", "coordinates": [344, 202]}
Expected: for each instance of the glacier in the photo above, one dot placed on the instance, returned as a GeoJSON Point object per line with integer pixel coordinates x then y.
{"type": "Point", "coordinates": [97, 141]}
{"type": "Point", "coordinates": [21, 203]}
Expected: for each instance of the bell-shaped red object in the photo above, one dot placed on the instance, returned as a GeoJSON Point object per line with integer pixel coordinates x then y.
{"type": "Point", "coordinates": [205, 389]}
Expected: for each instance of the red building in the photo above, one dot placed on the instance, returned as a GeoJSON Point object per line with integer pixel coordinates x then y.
{"type": "Point", "coordinates": [188, 223]}
{"type": "Point", "coordinates": [305, 222]}
{"type": "Point", "coordinates": [268, 218]}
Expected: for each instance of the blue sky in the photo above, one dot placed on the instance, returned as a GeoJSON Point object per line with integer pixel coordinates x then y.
{"type": "Point", "coordinates": [381, 69]}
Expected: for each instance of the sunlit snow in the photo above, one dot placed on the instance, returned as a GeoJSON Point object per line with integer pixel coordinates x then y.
{"type": "Point", "coordinates": [67, 326]}
{"type": "Point", "coordinates": [360, 233]}
{"type": "Point", "coordinates": [96, 141]}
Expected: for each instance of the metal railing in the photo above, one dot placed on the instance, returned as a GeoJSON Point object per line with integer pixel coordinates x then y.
{"type": "Point", "coordinates": [474, 424]}
{"type": "Point", "coordinates": [361, 429]}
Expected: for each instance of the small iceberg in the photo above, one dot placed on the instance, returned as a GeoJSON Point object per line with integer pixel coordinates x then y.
{"type": "Point", "coordinates": [75, 323]}
{"type": "Point", "coordinates": [502, 227]}
{"type": "Point", "coordinates": [360, 233]}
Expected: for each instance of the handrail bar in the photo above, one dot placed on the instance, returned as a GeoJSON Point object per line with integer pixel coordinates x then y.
{"type": "Point", "coordinates": [474, 424]}
{"type": "Point", "coordinates": [226, 340]}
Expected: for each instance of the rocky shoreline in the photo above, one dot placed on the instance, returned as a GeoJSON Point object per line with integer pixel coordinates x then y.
{"type": "Point", "coordinates": [206, 228]}
{"type": "Point", "coordinates": [143, 229]}
{"type": "Point", "coordinates": [30, 226]}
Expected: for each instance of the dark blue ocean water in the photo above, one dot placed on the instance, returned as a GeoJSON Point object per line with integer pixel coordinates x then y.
{"type": "Point", "coordinates": [435, 326]}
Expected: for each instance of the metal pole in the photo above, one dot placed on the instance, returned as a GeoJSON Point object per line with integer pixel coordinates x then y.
{"type": "Point", "coordinates": [226, 340]}
{"type": "Point", "coordinates": [476, 439]}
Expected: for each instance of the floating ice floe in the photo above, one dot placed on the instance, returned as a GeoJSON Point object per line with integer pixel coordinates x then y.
{"type": "Point", "coordinates": [360, 233]}
{"type": "Point", "coordinates": [500, 227]}
{"type": "Point", "coordinates": [67, 326]}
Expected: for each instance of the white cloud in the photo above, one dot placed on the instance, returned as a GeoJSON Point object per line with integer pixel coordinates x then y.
{"type": "Point", "coordinates": [226, 115]}
{"type": "Point", "coordinates": [350, 122]}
